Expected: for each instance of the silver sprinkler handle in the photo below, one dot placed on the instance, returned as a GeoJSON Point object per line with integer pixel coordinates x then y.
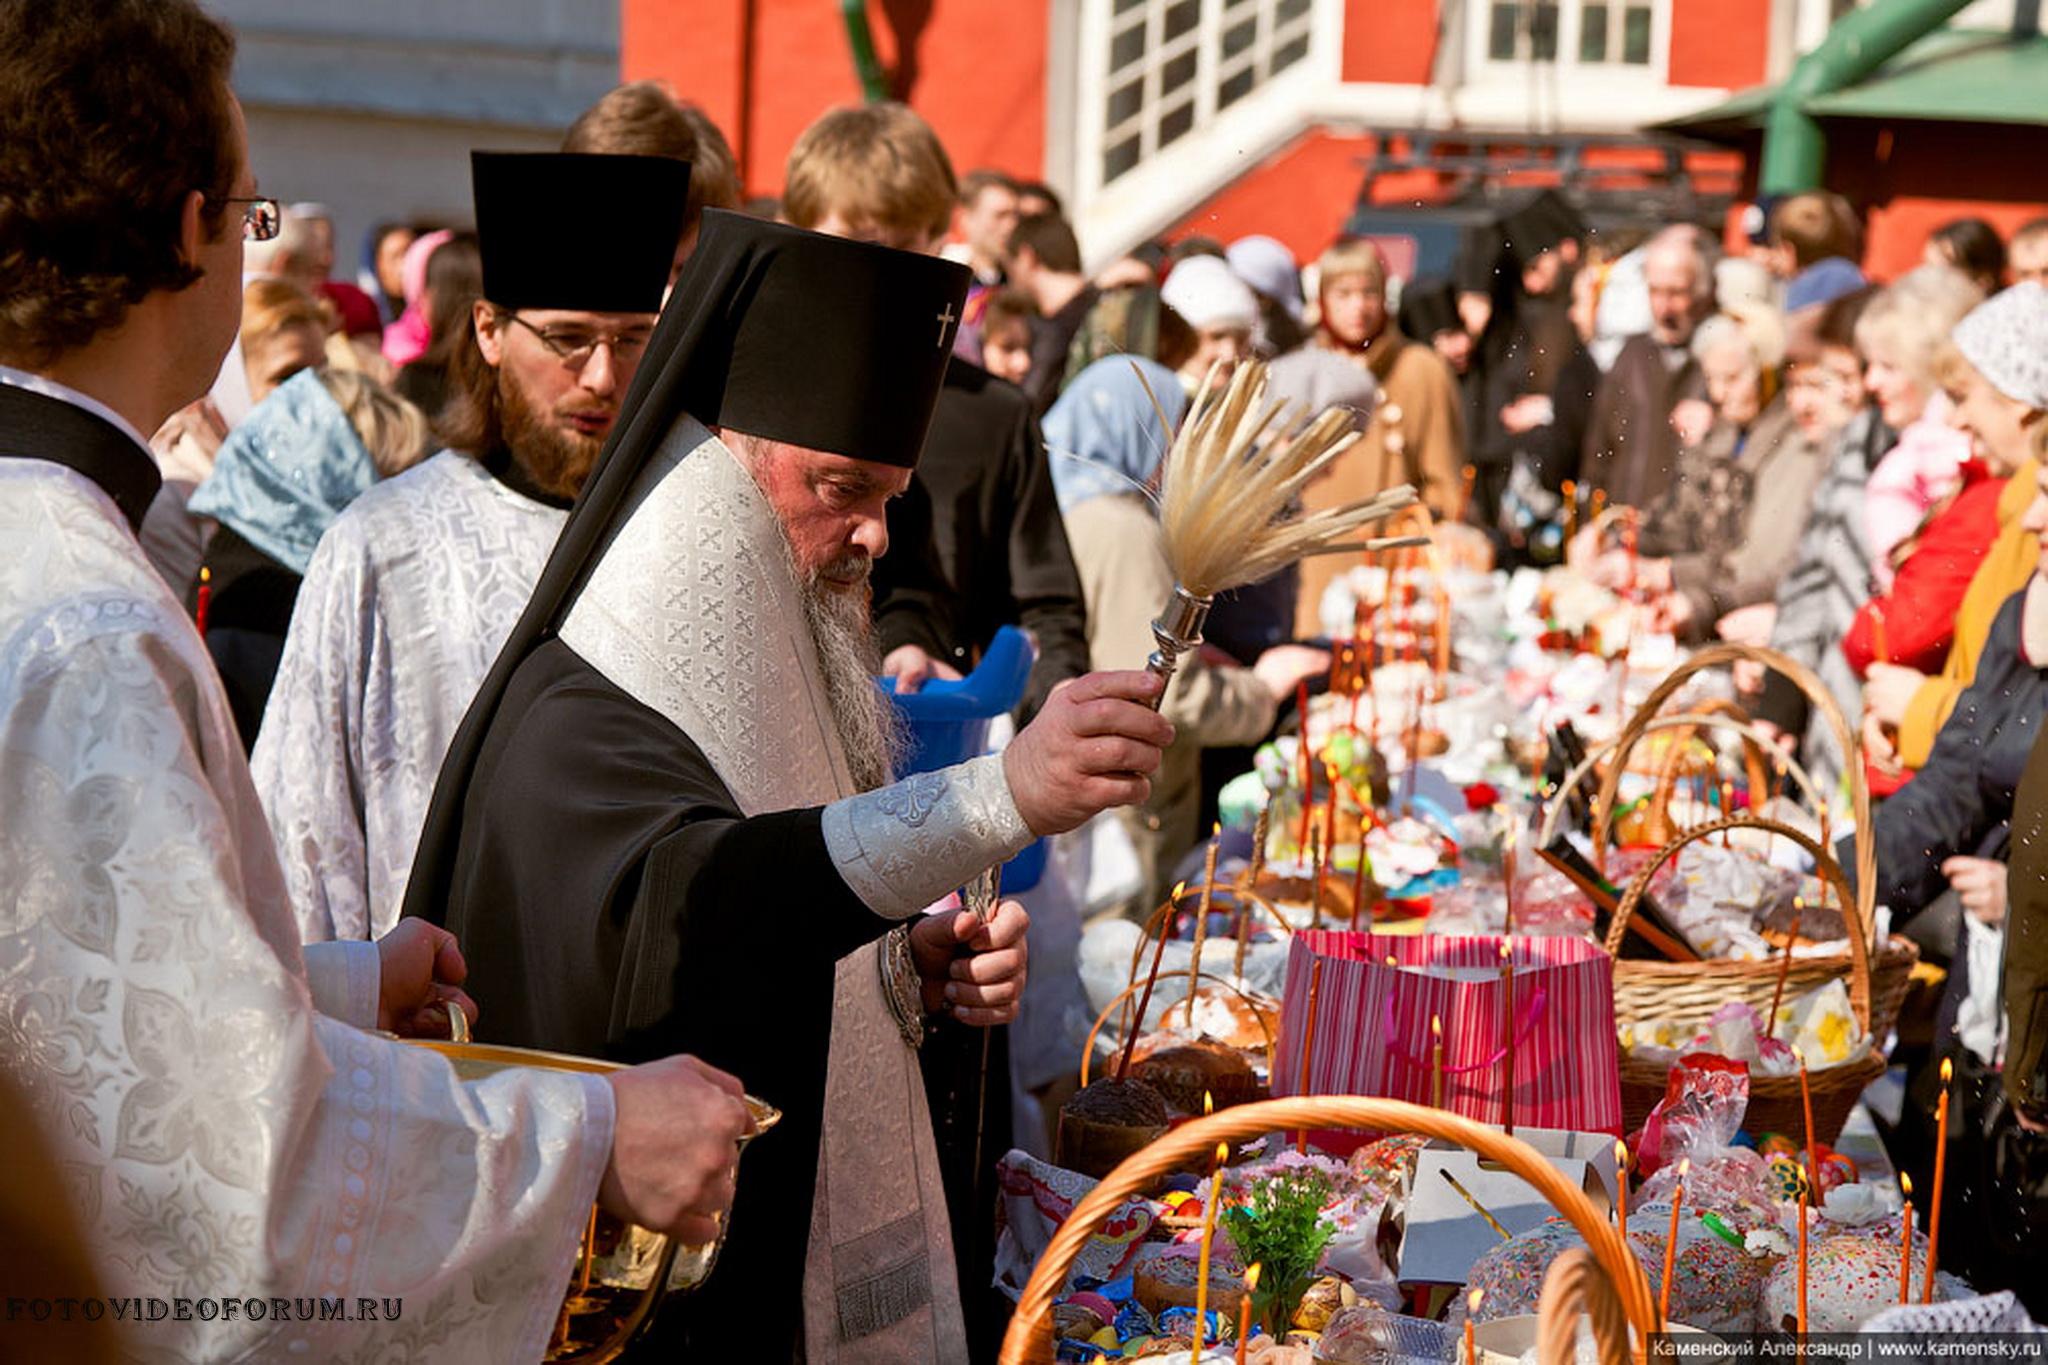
{"type": "Point", "coordinates": [1178, 630]}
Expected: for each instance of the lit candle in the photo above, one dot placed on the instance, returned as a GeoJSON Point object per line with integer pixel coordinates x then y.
{"type": "Point", "coordinates": [1785, 966]}
{"type": "Point", "coordinates": [1948, 1072]}
{"type": "Point", "coordinates": [1727, 810]}
{"type": "Point", "coordinates": [1571, 511]}
{"type": "Point", "coordinates": [1436, 1062]}
{"type": "Point", "coordinates": [1879, 651]}
{"type": "Point", "coordinates": [1357, 692]}
{"type": "Point", "coordinates": [1906, 1240]}
{"type": "Point", "coordinates": [1358, 867]}
{"type": "Point", "coordinates": [1202, 921]}
{"type": "Point", "coordinates": [1507, 1056]}
{"type": "Point", "coordinates": [1471, 1315]}
{"type": "Point", "coordinates": [1671, 1244]}
{"type": "Point", "coordinates": [1806, 1105]}
{"type": "Point", "coordinates": [203, 599]}
{"type": "Point", "coordinates": [1308, 1046]}
{"type": "Point", "coordinates": [1308, 781]}
{"type": "Point", "coordinates": [1208, 1239]}
{"type": "Point", "coordinates": [1621, 1185]}
{"type": "Point", "coordinates": [1244, 1311]}
{"type": "Point", "coordinates": [1315, 862]}
{"type": "Point", "coordinates": [1802, 1263]}
{"type": "Point", "coordinates": [1329, 835]}
{"type": "Point", "coordinates": [1441, 665]}
{"type": "Point", "coordinates": [1151, 979]}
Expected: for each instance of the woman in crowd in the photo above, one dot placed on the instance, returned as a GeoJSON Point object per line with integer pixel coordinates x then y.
{"type": "Point", "coordinates": [282, 477]}
{"type": "Point", "coordinates": [1107, 444]}
{"type": "Point", "coordinates": [1971, 246]}
{"type": "Point", "coordinates": [1417, 433]}
{"type": "Point", "coordinates": [1998, 397]}
{"type": "Point", "coordinates": [1896, 335]}
{"type": "Point", "coordinates": [454, 281]}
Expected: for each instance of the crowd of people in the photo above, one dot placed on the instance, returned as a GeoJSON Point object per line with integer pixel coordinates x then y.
{"type": "Point", "coordinates": [429, 494]}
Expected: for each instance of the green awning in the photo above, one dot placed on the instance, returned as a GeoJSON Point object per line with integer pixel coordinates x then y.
{"type": "Point", "coordinates": [1952, 74]}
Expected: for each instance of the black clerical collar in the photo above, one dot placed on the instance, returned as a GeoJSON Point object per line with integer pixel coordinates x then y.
{"type": "Point", "coordinates": [38, 426]}
{"type": "Point", "coordinates": [500, 465]}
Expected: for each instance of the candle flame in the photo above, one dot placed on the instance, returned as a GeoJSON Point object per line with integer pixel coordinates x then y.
{"type": "Point", "coordinates": [1472, 1300]}
{"type": "Point", "coordinates": [1436, 1025]}
{"type": "Point", "coordinates": [1798, 1056]}
{"type": "Point", "coordinates": [1222, 1152]}
{"type": "Point", "coordinates": [1906, 1184]}
{"type": "Point", "coordinates": [1180, 889]}
{"type": "Point", "coordinates": [1948, 1071]}
{"type": "Point", "coordinates": [1685, 1168]}
{"type": "Point", "coordinates": [1251, 1277]}
{"type": "Point", "coordinates": [1621, 1155]}
{"type": "Point", "coordinates": [1208, 1103]}
{"type": "Point", "coordinates": [1216, 830]}
{"type": "Point", "coordinates": [205, 574]}
{"type": "Point", "coordinates": [1393, 961]}
{"type": "Point", "coordinates": [1503, 952]}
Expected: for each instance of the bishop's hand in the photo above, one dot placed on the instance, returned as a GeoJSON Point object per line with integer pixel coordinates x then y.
{"type": "Point", "coordinates": [973, 972]}
{"type": "Point", "coordinates": [675, 1146]}
{"type": "Point", "coordinates": [1093, 746]}
{"type": "Point", "coordinates": [420, 974]}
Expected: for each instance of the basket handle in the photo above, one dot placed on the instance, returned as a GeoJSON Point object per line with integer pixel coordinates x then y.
{"type": "Point", "coordinates": [1088, 1048]}
{"type": "Point", "coordinates": [1242, 895]}
{"type": "Point", "coordinates": [1747, 729]}
{"type": "Point", "coordinates": [1823, 701]}
{"type": "Point", "coordinates": [1825, 866]}
{"type": "Point", "coordinates": [1575, 1284]}
{"type": "Point", "coordinates": [1715, 713]}
{"type": "Point", "coordinates": [1029, 1338]}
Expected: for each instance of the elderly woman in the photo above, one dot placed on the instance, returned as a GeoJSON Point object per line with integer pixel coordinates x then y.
{"type": "Point", "coordinates": [1107, 443]}
{"type": "Point", "coordinates": [1897, 335]}
{"type": "Point", "coordinates": [1417, 433]}
{"type": "Point", "coordinates": [1996, 381]}
{"type": "Point", "coordinates": [1728, 530]}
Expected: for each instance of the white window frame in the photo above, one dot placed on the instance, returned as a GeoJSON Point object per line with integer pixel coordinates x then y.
{"type": "Point", "coordinates": [1222, 143]}
{"type": "Point", "coordinates": [1483, 67]}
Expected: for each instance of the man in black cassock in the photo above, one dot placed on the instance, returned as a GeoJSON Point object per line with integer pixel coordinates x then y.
{"type": "Point", "coordinates": [666, 823]}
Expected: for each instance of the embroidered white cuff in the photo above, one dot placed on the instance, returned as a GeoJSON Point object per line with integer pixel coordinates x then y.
{"type": "Point", "coordinates": [907, 844]}
{"type": "Point", "coordinates": [344, 977]}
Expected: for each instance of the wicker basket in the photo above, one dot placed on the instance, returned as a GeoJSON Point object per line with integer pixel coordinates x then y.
{"type": "Point", "coordinates": [1124, 995]}
{"type": "Point", "coordinates": [1029, 1338]}
{"type": "Point", "coordinates": [1696, 989]}
{"type": "Point", "coordinates": [1708, 716]}
{"type": "Point", "coordinates": [1685, 990]}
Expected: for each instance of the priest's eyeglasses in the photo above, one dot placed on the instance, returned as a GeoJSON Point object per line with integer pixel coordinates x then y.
{"type": "Point", "coordinates": [262, 219]}
{"type": "Point", "coordinates": [574, 346]}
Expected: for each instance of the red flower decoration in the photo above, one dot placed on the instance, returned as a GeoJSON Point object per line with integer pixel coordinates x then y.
{"type": "Point", "coordinates": [1480, 795]}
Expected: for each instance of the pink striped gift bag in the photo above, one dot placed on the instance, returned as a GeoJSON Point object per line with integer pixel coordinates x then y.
{"type": "Point", "coordinates": [1373, 1036]}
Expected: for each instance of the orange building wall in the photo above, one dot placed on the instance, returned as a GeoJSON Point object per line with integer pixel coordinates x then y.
{"type": "Point", "coordinates": [974, 68]}
{"type": "Point", "coordinates": [1720, 43]}
{"type": "Point", "coordinates": [1392, 41]}
{"type": "Point", "coordinates": [1301, 194]}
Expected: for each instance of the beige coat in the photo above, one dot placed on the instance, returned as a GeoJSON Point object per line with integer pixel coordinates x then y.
{"type": "Point", "coordinates": [1416, 436]}
{"type": "Point", "coordinates": [1125, 580]}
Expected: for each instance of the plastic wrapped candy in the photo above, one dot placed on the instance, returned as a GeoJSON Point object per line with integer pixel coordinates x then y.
{"type": "Point", "coordinates": [1701, 1112]}
{"type": "Point", "coordinates": [1733, 1182]}
{"type": "Point", "coordinates": [1363, 1335]}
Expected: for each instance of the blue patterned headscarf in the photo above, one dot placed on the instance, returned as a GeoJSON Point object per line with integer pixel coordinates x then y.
{"type": "Point", "coordinates": [287, 471]}
{"type": "Point", "coordinates": [1104, 434]}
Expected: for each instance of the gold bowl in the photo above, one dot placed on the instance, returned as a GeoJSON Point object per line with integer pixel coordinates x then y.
{"type": "Point", "coordinates": [622, 1269]}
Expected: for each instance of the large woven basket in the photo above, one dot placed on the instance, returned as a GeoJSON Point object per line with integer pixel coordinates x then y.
{"type": "Point", "coordinates": [1690, 990]}
{"type": "Point", "coordinates": [1029, 1338]}
{"type": "Point", "coordinates": [1694, 990]}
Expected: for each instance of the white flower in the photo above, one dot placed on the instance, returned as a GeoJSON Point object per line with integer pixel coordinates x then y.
{"type": "Point", "coordinates": [1854, 1205]}
{"type": "Point", "coordinates": [1767, 1242]}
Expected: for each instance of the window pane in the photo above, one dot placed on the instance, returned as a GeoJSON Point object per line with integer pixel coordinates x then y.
{"type": "Point", "coordinates": [1291, 9]}
{"type": "Point", "coordinates": [1543, 33]}
{"type": "Point", "coordinates": [1182, 18]}
{"type": "Point", "coordinates": [1176, 73]}
{"type": "Point", "coordinates": [1126, 47]}
{"type": "Point", "coordinates": [1229, 5]}
{"type": "Point", "coordinates": [1593, 33]}
{"type": "Point", "coordinates": [1125, 6]}
{"type": "Point", "coordinates": [1290, 52]}
{"type": "Point", "coordinates": [1238, 37]}
{"type": "Point", "coordinates": [1235, 88]}
{"type": "Point", "coordinates": [1502, 22]}
{"type": "Point", "coordinates": [1176, 123]}
{"type": "Point", "coordinates": [1635, 35]}
{"type": "Point", "coordinates": [1124, 102]}
{"type": "Point", "coordinates": [1120, 159]}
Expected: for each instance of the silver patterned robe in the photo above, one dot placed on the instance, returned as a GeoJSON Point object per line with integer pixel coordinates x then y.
{"type": "Point", "coordinates": [405, 605]}
{"type": "Point", "coordinates": [219, 1135]}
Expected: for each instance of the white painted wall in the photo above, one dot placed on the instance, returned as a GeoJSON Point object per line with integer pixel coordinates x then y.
{"type": "Point", "coordinates": [372, 106]}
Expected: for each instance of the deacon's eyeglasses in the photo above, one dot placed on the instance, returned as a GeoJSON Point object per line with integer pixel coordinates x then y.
{"type": "Point", "coordinates": [574, 346]}
{"type": "Point", "coordinates": [261, 218]}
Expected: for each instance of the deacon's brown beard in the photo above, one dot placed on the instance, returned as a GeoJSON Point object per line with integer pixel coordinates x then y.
{"type": "Point", "coordinates": [871, 730]}
{"type": "Point", "coordinates": [557, 461]}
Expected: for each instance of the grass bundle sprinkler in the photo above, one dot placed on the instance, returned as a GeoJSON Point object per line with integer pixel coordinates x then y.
{"type": "Point", "coordinates": [1229, 514]}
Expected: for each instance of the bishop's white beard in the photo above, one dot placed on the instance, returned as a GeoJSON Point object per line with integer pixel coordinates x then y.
{"type": "Point", "coordinates": [871, 730]}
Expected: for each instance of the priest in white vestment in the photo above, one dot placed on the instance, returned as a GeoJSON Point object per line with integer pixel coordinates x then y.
{"type": "Point", "coordinates": [415, 587]}
{"type": "Point", "coordinates": [225, 1130]}
{"type": "Point", "coordinates": [673, 791]}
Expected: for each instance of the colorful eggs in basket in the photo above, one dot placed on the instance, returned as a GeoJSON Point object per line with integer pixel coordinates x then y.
{"type": "Point", "coordinates": [1786, 1179]}
{"type": "Point", "coordinates": [1771, 1144]}
{"type": "Point", "coordinates": [1179, 1202]}
{"type": "Point", "coordinates": [1832, 1169]}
